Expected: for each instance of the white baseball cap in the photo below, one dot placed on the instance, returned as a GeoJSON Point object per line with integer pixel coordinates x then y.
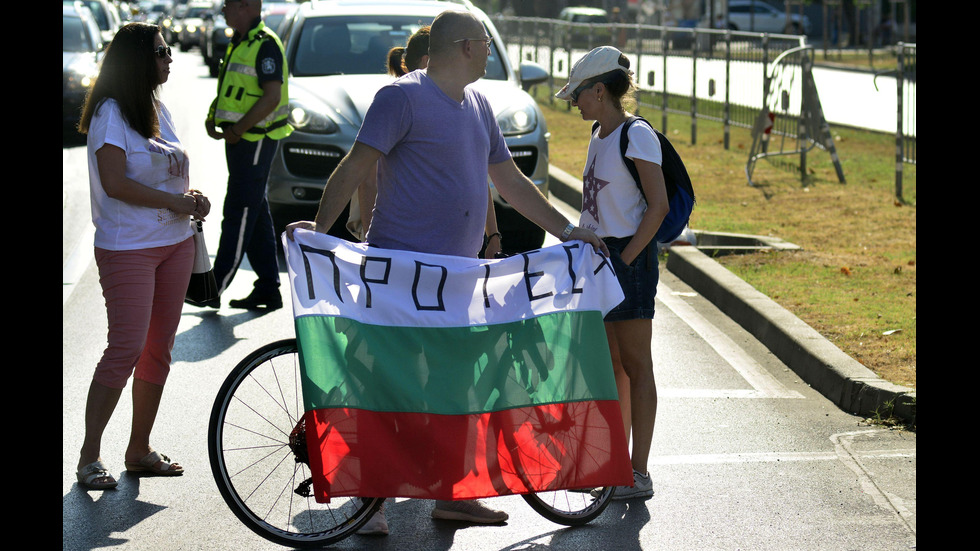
{"type": "Point", "coordinates": [602, 60]}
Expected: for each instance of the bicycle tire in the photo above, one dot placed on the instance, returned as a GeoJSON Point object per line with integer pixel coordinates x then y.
{"type": "Point", "coordinates": [257, 455]}
{"type": "Point", "coordinates": [566, 507]}
{"type": "Point", "coordinates": [571, 508]}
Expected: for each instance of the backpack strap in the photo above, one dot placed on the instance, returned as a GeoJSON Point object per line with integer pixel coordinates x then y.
{"type": "Point", "coordinates": [672, 166]}
{"type": "Point", "coordinates": [624, 142]}
{"type": "Point", "coordinates": [676, 178]}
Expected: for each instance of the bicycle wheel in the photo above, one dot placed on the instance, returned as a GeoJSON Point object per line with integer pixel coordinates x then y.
{"type": "Point", "coordinates": [257, 446]}
{"type": "Point", "coordinates": [571, 508]}
{"type": "Point", "coordinates": [567, 507]}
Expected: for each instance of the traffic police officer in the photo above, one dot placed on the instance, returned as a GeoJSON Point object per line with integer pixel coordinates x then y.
{"type": "Point", "coordinates": [250, 115]}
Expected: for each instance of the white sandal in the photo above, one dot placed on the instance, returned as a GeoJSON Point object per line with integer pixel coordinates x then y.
{"type": "Point", "coordinates": [149, 464]}
{"type": "Point", "coordinates": [89, 474]}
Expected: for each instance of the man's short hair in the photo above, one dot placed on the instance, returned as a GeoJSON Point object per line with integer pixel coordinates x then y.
{"type": "Point", "coordinates": [450, 26]}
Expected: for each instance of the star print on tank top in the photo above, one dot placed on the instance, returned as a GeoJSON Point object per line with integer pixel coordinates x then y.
{"type": "Point", "coordinates": [593, 186]}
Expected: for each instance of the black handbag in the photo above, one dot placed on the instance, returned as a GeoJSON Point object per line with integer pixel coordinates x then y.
{"type": "Point", "coordinates": [202, 288]}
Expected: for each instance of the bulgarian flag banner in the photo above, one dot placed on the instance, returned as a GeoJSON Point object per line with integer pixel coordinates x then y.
{"type": "Point", "coordinates": [443, 377]}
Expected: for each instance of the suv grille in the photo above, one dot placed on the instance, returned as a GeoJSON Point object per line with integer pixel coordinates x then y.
{"type": "Point", "coordinates": [311, 160]}
{"type": "Point", "coordinates": [526, 159]}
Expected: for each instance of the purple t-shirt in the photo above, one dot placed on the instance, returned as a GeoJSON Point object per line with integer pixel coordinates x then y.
{"type": "Point", "coordinates": [432, 177]}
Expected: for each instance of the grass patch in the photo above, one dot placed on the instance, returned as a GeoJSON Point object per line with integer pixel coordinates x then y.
{"type": "Point", "coordinates": [882, 59]}
{"type": "Point", "coordinates": [884, 416]}
{"type": "Point", "coordinates": [854, 279]}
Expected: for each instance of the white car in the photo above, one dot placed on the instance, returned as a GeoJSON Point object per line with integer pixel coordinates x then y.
{"type": "Point", "coordinates": [336, 52]}
{"type": "Point", "coordinates": [105, 14]}
{"type": "Point", "coordinates": [758, 16]}
{"type": "Point", "coordinates": [82, 47]}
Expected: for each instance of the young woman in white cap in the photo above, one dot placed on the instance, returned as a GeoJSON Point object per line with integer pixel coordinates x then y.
{"type": "Point", "coordinates": [614, 207]}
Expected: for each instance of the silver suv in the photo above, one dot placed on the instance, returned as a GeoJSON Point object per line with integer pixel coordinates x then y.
{"type": "Point", "coordinates": [336, 52]}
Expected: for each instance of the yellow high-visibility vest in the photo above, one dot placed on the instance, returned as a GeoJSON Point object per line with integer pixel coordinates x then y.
{"type": "Point", "coordinates": [238, 87]}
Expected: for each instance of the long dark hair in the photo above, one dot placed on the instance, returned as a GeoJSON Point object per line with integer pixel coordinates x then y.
{"type": "Point", "coordinates": [128, 75]}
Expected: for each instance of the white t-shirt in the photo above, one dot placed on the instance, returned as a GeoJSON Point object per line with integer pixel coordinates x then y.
{"type": "Point", "coordinates": [612, 204]}
{"type": "Point", "coordinates": [159, 163]}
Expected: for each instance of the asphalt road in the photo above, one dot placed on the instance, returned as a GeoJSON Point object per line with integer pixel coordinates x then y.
{"type": "Point", "coordinates": [745, 454]}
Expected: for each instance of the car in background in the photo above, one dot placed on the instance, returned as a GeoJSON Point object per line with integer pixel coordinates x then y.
{"type": "Point", "coordinates": [214, 42]}
{"type": "Point", "coordinates": [215, 37]}
{"type": "Point", "coordinates": [167, 21]}
{"type": "Point", "coordinates": [336, 53]}
{"type": "Point", "coordinates": [274, 13]}
{"type": "Point", "coordinates": [105, 15]}
{"type": "Point", "coordinates": [81, 43]}
{"type": "Point", "coordinates": [156, 12]}
{"type": "Point", "coordinates": [591, 27]}
{"type": "Point", "coordinates": [757, 16]}
{"type": "Point", "coordinates": [174, 26]}
{"type": "Point", "coordinates": [190, 25]}
{"type": "Point", "coordinates": [129, 12]}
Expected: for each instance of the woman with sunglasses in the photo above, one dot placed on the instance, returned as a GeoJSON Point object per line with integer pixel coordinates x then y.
{"type": "Point", "coordinates": [626, 218]}
{"type": "Point", "coordinates": [141, 207]}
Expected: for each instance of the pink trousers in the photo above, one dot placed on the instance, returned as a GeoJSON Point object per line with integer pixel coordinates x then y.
{"type": "Point", "coordinates": [144, 294]}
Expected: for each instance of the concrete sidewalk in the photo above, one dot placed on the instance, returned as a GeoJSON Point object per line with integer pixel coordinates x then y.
{"type": "Point", "coordinates": [843, 380]}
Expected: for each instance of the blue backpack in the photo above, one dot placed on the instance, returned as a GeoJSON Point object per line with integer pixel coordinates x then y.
{"type": "Point", "coordinates": [680, 192]}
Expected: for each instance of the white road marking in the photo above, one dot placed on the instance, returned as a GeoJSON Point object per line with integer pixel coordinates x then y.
{"type": "Point", "coordinates": [852, 458]}
{"type": "Point", "coordinates": [769, 457]}
{"type": "Point", "coordinates": [79, 261]}
{"type": "Point", "coordinates": [763, 383]}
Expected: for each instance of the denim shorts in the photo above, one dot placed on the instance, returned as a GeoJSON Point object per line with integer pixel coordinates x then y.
{"type": "Point", "coordinates": [638, 280]}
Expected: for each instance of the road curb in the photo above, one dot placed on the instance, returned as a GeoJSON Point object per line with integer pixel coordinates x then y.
{"type": "Point", "coordinates": [842, 379]}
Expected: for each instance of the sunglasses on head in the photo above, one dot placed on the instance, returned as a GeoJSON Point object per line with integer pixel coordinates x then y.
{"type": "Point", "coordinates": [162, 51]}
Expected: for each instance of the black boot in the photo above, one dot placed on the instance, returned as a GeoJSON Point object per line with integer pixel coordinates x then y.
{"type": "Point", "coordinates": [257, 301]}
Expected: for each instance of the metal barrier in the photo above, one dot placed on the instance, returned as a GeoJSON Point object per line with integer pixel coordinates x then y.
{"type": "Point", "coordinates": [792, 109]}
{"type": "Point", "coordinates": [711, 74]}
{"type": "Point", "coordinates": [905, 133]}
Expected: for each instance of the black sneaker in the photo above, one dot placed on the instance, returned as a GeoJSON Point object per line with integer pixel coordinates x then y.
{"type": "Point", "coordinates": [257, 301]}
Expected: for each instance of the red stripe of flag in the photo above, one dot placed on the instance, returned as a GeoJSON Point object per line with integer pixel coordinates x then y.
{"type": "Point", "coordinates": [429, 456]}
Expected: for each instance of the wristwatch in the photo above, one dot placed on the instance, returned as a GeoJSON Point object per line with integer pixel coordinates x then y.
{"type": "Point", "coordinates": [567, 232]}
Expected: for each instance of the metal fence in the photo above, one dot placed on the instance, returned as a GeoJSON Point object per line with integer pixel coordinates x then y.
{"type": "Point", "coordinates": [905, 133]}
{"type": "Point", "coordinates": [707, 74]}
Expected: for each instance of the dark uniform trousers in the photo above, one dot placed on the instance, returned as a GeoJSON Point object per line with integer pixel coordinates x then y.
{"type": "Point", "coordinates": [247, 230]}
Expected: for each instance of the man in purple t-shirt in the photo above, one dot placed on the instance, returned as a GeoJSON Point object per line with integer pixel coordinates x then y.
{"type": "Point", "coordinates": [436, 140]}
{"type": "Point", "coordinates": [433, 141]}
{"type": "Point", "coordinates": [436, 152]}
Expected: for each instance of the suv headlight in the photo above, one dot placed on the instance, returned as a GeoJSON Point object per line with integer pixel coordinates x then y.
{"type": "Point", "coordinates": [518, 120]}
{"type": "Point", "coordinates": [307, 116]}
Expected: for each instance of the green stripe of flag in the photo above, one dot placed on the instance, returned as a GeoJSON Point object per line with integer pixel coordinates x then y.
{"type": "Point", "coordinates": [558, 357]}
